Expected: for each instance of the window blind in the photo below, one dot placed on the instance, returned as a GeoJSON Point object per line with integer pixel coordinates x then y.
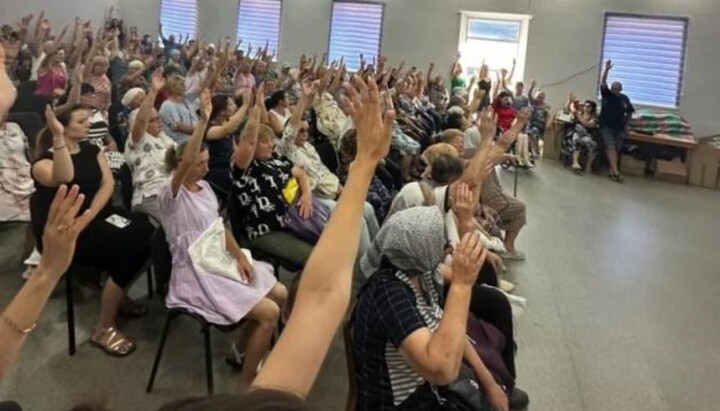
{"type": "Point", "coordinates": [355, 28]}
{"type": "Point", "coordinates": [648, 54]}
{"type": "Point", "coordinates": [179, 17]}
{"type": "Point", "coordinates": [259, 22]}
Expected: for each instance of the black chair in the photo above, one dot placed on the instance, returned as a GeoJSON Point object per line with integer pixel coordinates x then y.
{"type": "Point", "coordinates": [30, 123]}
{"type": "Point", "coordinates": [162, 264]}
{"type": "Point", "coordinates": [126, 185]}
{"type": "Point", "coordinates": [328, 155]}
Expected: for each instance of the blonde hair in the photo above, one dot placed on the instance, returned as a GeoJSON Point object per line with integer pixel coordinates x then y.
{"type": "Point", "coordinates": [174, 154]}
{"type": "Point", "coordinates": [265, 133]}
{"type": "Point", "coordinates": [436, 150]}
{"type": "Point", "coordinates": [448, 135]}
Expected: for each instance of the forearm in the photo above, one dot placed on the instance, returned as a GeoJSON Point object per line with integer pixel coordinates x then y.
{"type": "Point", "coordinates": [8, 93]}
{"type": "Point", "coordinates": [484, 376]}
{"type": "Point", "coordinates": [446, 346]}
{"type": "Point", "coordinates": [63, 170]}
{"type": "Point", "coordinates": [231, 244]}
{"type": "Point", "coordinates": [23, 311]}
{"type": "Point", "coordinates": [185, 128]}
{"type": "Point", "coordinates": [603, 79]}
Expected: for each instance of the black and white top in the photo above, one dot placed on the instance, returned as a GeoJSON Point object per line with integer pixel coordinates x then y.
{"type": "Point", "coordinates": [259, 193]}
{"type": "Point", "coordinates": [389, 309]}
{"type": "Point", "coordinates": [99, 130]}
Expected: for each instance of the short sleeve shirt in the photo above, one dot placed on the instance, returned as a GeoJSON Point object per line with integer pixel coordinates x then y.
{"type": "Point", "coordinates": [173, 113]}
{"type": "Point", "coordinates": [385, 314]}
{"type": "Point", "coordinates": [146, 160]}
{"type": "Point", "coordinates": [614, 109]}
{"type": "Point", "coordinates": [259, 192]}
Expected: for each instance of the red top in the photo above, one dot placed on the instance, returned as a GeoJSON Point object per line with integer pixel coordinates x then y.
{"type": "Point", "coordinates": [506, 115]}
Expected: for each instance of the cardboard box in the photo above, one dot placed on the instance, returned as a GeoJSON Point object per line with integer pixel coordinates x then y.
{"type": "Point", "coordinates": [631, 166]}
{"type": "Point", "coordinates": [705, 166]}
{"type": "Point", "coordinates": [674, 171]}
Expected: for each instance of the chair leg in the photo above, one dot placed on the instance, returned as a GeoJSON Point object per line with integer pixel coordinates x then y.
{"type": "Point", "coordinates": [150, 286]}
{"type": "Point", "coordinates": [70, 303]}
{"type": "Point", "coordinates": [158, 356]}
{"type": "Point", "coordinates": [208, 359]}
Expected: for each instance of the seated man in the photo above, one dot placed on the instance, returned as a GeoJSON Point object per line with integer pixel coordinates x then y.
{"type": "Point", "coordinates": [178, 115]}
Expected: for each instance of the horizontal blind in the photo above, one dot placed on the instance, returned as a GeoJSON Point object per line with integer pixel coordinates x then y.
{"type": "Point", "coordinates": [648, 55]}
{"type": "Point", "coordinates": [355, 28]}
{"type": "Point", "coordinates": [259, 22]}
{"type": "Point", "coordinates": [179, 17]}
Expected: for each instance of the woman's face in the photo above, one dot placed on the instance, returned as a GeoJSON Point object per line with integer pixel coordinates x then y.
{"type": "Point", "coordinates": [200, 168]}
{"type": "Point", "coordinates": [79, 126]}
{"type": "Point", "coordinates": [176, 85]}
{"type": "Point", "coordinates": [230, 107]}
{"type": "Point", "coordinates": [459, 143]}
{"type": "Point", "coordinates": [265, 147]}
{"type": "Point", "coordinates": [60, 56]}
{"type": "Point", "coordinates": [154, 125]}
{"type": "Point", "coordinates": [588, 108]}
{"type": "Point", "coordinates": [100, 67]}
{"type": "Point", "coordinates": [302, 135]}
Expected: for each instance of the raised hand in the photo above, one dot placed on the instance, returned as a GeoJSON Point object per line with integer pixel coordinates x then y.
{"type": "Point", "coordinates": [463, 202]}
{"type": "Point", "coordinates": [158, 80]}
{"type": "Point", "coordinates": [467, 260]}
{"type": "Point", "coordinates": [608, 65]}
{"type": "Point", "coordinates": [374, 128]}
{"type": "Point", "coordinates": [533, 83]}
{"type": "Point", "coordinates": [62, 230]}
{"type": "Point", "coordinates": [523, 115]}
{"type": "Point", "coordinates": [488, 123]}
{"type": "Point", "coordinates": [205, 104]}
{"type": "Point", "coordinates": [56, 128]}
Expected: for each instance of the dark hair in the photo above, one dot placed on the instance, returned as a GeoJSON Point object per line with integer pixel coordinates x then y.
{"type": "Point", "coordinates": [275, 99]}
{"type": "Point", "coordinates": [454, 120]}
{"type": "Point", "coordinates": [520, 83]}
{"type": "Point", "coordinates": [503, 94]}
{"type": "Point", "coordinates": [219, 103]}
{"type": "Point", "coordinates": [446, 169]}
{"type": "Point", "coordinates": [44, 139]}
{"type": "Point", "coordinates": [592, 104]}
{"type": "Point", "coordinates": [255, 400]}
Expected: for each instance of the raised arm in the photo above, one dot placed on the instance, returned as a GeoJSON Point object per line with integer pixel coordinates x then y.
{"type": "Point", "coordinates": [437, 355]}
{"type": "Point", "coordinates": [60, 234]}
{"type": "Point", "coordinates": [94, 51]}
{"type": "Point", "coordinates": [59, 170]}
{"type": "Point", "coordinates": [8, 93]}
{"type": "Point", "coordinates": [512, 72]}
{"type": "Point", "coordinates": [324, 291]}
{"type": "Point", "coordinates": [232, 123]}
{"type": "Point", "coordinates": [606, 71]}
{"type": "Point", "coordinates": [42, 26]}
{"type": "Point", "coordinates": [531, 92]}
{"type": "Point", "coordinates": [244, 150]}
{"type": "Point", "coordinates": [192, 149]}
{"type": "Point", "coordinates": [143, 116]}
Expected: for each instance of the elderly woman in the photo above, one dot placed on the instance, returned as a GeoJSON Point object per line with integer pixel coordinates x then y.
{"type": "Point", "coordinates": [134, 78]}
{"type": "Point", "coordinates": [581, 134]}
{"type": "Point", "coordinates": [278, 111]}
{"type": "Point", "coordinates": [324, 184]}
{"type": "Point", "coordinates": [259, 178]}
{"type": "Point", "coordinates": [96, 75]}
{"type": "Point", "coordinates": [404, 340]}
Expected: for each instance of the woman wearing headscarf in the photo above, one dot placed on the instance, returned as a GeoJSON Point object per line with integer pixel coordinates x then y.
{"type": "Point", "coordinates": [404, 341]}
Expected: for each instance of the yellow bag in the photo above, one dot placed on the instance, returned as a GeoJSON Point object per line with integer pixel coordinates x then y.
{"type": "Point", "coordinates": [290, 191]}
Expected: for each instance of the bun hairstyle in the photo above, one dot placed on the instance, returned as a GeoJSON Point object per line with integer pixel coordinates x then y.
{"type": "Point", "coordinates": [173, 155]}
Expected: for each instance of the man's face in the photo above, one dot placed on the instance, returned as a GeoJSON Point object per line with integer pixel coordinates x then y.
{"type": "Point", "coordinates": [616, 87]}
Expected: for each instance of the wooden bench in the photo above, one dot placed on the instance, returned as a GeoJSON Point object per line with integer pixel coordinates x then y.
{"type": "Point", "coordinates": [670, 170]}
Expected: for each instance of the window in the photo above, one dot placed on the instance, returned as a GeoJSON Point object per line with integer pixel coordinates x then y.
{"type": "Point", "coordinates": [179, 17]}
{"type": "Point", "coordinates": [648, 55]}
{"type": "Point", "coordinates": [259, 22]}
{"type": "Point", "coordinates": [495, 39]}
{"type": "Point", "coordinates": [355, 28]}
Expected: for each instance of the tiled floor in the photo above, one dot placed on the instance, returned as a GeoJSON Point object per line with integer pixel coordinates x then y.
{"type": "Point", "coordinates": [622, 282]}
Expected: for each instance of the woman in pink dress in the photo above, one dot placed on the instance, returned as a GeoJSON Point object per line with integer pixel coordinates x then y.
{"type": "Point", "coordinates": [189, 207]}
{"type": "Point", "coordinates": [52, 74]}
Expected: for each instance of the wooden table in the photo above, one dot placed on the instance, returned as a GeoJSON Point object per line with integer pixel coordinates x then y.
{"type": "Point", "coordinates": [688, 146]}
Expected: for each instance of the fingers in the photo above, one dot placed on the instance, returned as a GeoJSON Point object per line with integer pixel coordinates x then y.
{"type": "Point", "coordinates": [56, 205]}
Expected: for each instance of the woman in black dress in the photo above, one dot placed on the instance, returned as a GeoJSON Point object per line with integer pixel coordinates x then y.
{"type": "Point", "coordinates": [114, 240]}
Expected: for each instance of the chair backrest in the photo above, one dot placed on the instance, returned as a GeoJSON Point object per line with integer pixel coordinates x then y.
{"type": "Point", "coordinates": [126, 185]}
{"type": "Point", "coordinates": [161, 260]}
{"type": "Point", "coordinates": [30, 123]}
{"type": "Point", "coordinates": [328, 155]}
{"type": "Point", "coordinates": [350, 360]}
{"type": "Point", "coordinates": [31, 103]}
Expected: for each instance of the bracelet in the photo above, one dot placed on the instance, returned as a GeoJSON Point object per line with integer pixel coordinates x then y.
{"type": "Point", "coordinates": [24, 331]}
{"type": "Point", "coordinates": [59, 148]}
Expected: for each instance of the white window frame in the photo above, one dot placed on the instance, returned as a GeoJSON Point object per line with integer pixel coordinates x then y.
{"type": "Point", "coordinates": [382, 27]}
{"type": "Point", "coordinates": [683, 64]}
{"type": "Point", "coordinates": [523, 19]}
{"type": "Point", "coordinates": [168, 32]}
{"type": "Point", "coordinates": [276, 47]}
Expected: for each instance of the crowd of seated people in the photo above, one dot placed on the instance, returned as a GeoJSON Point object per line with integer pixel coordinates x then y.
{"type": "Point", "coordinates": [213, 132]}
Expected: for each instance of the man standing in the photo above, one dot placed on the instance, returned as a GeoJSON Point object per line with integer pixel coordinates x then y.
{"type": "Point", "coordinates": [614, 117]}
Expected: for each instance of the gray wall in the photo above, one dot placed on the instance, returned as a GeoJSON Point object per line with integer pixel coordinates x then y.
{"type": "Point", "coordinates": [565, 36]}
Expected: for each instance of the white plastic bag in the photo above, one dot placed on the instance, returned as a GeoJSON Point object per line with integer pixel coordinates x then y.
{"type": "Point", "coordinates": [209, 254]}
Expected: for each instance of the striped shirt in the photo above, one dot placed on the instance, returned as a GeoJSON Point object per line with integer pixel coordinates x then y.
{"type": "Point", "coordinates": [389, 309]}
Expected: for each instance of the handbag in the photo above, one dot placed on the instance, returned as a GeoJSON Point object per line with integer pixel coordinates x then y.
{"type": "Point", "coordinates": [489, 344]}
{"type": "Point", "coordinates": [311, 228]}
{"type": "Point", "coordinates": [208, 253]}
{"type": "Point", "coordinates": [565, 116]}
{"type": "Point", "coordinates": [463, 394]}
{"type": "Point", "coordinates": [291, 190]}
